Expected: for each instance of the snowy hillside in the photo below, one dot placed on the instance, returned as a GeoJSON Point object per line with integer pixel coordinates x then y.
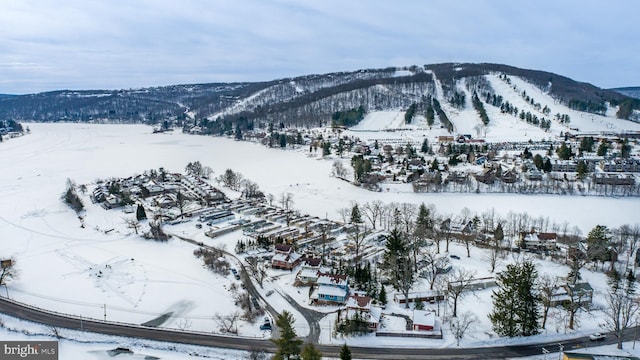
{"type": "Point", "coordinates": [502, 126]}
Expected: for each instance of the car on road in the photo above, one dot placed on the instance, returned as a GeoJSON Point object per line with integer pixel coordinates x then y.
{"type": "Point", "coordinates": [597, 336]}
{"type": "Point", "coordinates": [269, 293]}
{"type": "Point", "coordinates": [455, 257]}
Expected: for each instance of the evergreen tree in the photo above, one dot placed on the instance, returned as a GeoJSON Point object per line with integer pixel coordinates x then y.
{"type": "Point", "coordinates": [516, 304]}
{"type": "Point", "coordinates": [582, 169]}
{"type": "Point", "coordinates": [547, 166]}
{"type": "Point", "coordinates": [625, 151]}
{"type": "Point", "coordinates": [345, 352]}
{"type": "Point", "coordinates": [398, 264]}
{"type": "Point", "coordinates": [356, 217]}
{"type": "Point", "coordinates": [603, 148]}
{"type": "Point", "coordinates": [326, 148]}
{"type": "Point", "coordinates": [425, 146]}
{"type": "Point", "coordinates": [309, 352]}
{"type": "Point", "coordinates": [288, 344]}
{"type": "Point", "coordinates": [538, 161]}
{"type": "Point", "coordinates": [71, 198]}
{"type": "Point", "coordinates": [564, 152]}
{"type": "Point", "coordinates": [430, 115]}
{"type": "Point", "coordinates": [498, 233]}
{"type": "Point", "coordinates": [141, 214]}
{"type": "Point", "coordinates": [408, 116]}
{"type": "Point", "coordinates": [382, 296]}
{"type": "Point", "coordinates": [586, 144]}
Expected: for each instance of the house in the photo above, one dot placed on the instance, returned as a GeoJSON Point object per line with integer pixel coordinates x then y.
{"type": "Point", "coordinates": [331, 289]}
{"type": "Point", "coordinates": [360, 306]}
{"type": "Point", "coordinates": [424, 320]}
{"type": "Point", "coordinates": [486, 177]}
{"type": "Point", "coordinates": [509, 176]}
{"type": "Point", "coordinates": [537, 241]}
{"type": "Point", "coordinates": [308, 274]}
{"type": "Point", "coordinates": [285, 258]}
{"type": "Point", "coordinates": [534, 174]}
{"type": "Point", "coordinates": [581, 293]}
{"type": "Point", "coordinates": [430, 296]}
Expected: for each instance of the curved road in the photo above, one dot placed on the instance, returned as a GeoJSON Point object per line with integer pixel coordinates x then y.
{"type": "Point", "coordinates": [29, 313]}
{"type": "Point", "coordinates": [21, 311]}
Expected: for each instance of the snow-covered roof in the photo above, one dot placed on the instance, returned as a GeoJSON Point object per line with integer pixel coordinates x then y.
{"type": "Point", "coordinates": [356, 301]}
{"type": "Point", "coordinates": [424, 317]}
{"type": "Point", "coordinates": [329, 291]}
{"type": "Point", "coordinates": [332, 279]}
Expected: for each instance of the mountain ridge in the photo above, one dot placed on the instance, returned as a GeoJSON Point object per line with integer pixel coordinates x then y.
{"type": "Point", "coordinates": [303, 100]}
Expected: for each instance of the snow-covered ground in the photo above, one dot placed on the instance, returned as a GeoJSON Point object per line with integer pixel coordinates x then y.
{"type": "Point", "coordinates": [103, 267]}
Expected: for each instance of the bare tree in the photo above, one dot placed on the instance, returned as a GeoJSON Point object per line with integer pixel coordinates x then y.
{"type": "Point", "coordinates": [430, 270]}
{"type": "Point", "coordinates": [257, 270]}
{"type": "Point", "coordinates": [546, 286]}
{"type": "Point", "coordinates": [493, 256]}
{"type": "Point", "coordinates": [459, 281]}
{"type": "Point", "coordinates": [206, 172]}
{"type": "Point", "coordinates": [634, 239]}
{"type": "Point", "coordinates": [229, 323]}
{"type": "Point", "coordinates": [407, 216]}
{"type": "Point", "coordinates": [338, 170]}
{"type": "Point", "coordinates": [183, 324]}
{"type": "Point", "coordinates": [445, 230]}
{"type": "Point", "coordinates": [357, 236]}
{"type": "Point", "coordinates": [270, 199]}
{"type": "Point", "coordinates": [622, 304]}
{"type": "Point", "coordinates": [345, 214]}
{"type": "Point", "coordinates": [132, 223]}
{"type": "Point", "coordinates": [459, 325]}
{"type": "Point", "coordinates": [181, 202]}
{"type": "Point", "coordinates": [373, 211]}
{"type": "Point", "coordinates": [8, 270]}
{"type": "Point", "coordinates": [251, 189]}
{"type": "Point", "coordinates": [286, 200]}
{"type": "Point", "coordinates": [156, 232]}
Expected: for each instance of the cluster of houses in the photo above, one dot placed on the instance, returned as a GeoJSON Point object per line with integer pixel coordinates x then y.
{"type": "Point", "coordinates": [161, 191]}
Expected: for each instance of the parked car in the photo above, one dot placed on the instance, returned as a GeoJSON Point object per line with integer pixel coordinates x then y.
{"type": "Point", "coordinates": [455, 257]}
{"type": "Point", "coordinates": [266, 325]}
{"type": "Point", "coordinates": [597, 336]}
{"type": "Point", "coordinates": [269, 293]}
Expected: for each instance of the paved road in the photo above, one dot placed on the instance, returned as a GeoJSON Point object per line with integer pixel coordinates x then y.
{"type": "Point", "coordinates": [17, 310]}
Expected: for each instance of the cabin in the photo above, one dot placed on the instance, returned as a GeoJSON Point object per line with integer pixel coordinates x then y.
{"type": "Point", "coordinates": [361, 306]}
{"type": "Point", "coordinates": [424, 320]}
{"type": "Point", "coordinates": [429, 296]}
{"type": "Point", "coordinates": [285, 257]}
{"type": "Point", "coordinates": [537, 241]}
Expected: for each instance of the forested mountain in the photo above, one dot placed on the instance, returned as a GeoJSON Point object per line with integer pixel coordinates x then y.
{"type": "Point", "coordinates": [633, 91]}
{"type": "Point", "coordinates": [303, 101]}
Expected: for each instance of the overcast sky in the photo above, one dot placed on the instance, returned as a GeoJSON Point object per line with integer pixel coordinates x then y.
{"type": "Point", "coordinates": [113, 44]}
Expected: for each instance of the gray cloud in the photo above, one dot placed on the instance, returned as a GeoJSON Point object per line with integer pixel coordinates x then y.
{"type": "Point", "coordinates": [77, 44]}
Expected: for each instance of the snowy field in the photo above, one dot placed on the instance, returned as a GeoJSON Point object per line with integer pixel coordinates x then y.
{"type": "Point", "coordinates": [104, 268]}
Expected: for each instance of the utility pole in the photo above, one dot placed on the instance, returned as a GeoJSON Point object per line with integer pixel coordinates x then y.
{"type": "Point", "coordinates": [561, 350]}
{"type": "Point", "coordinates": [545, 352]}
